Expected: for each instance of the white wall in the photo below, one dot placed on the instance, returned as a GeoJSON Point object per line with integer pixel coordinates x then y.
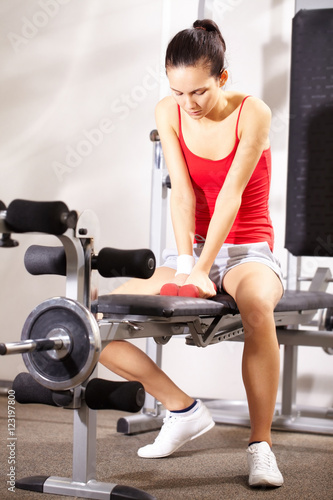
{"type": "Point", "coordinates": [70, 67]}
{"type": "Point", "coordinates": [65, 73]}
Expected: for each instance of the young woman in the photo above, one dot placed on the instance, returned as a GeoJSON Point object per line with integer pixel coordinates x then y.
{"type": "Point", "coordinates": [216, 147]}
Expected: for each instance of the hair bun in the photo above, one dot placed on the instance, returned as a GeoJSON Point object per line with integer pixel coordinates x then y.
{"type": "Point", "coordinates": [210, 26]}
{"type": "Point", "coordinates": [206, 24]}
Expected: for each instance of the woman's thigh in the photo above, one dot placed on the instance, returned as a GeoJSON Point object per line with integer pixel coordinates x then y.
{"type": "Point", "coordinates": [256, 290]}
{"type": "Point", "coordinates": [252, 284]}
{"type": "Point", "coordinates": [150, 286]}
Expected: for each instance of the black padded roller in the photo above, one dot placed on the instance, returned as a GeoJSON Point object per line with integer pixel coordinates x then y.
{"type": "Point", "coordinates": [110, 262]}
{"type": "Point", "coordinates": [48, 217]}
{"type": "Point", "coordinates": [40, 259]}
{"type": "Point", "coordinates": [108, 395]}
{"type": "Point", "coordinates": [29, 391]}
{"type": "Point", "coordinates": [113, 263]}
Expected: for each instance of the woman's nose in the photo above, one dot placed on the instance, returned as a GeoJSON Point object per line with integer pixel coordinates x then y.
{"type": "Point", "coordinates": [189, 102]}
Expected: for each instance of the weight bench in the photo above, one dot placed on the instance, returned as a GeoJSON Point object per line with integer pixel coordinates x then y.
{"type": "Point", "coordinates": [205, 322]}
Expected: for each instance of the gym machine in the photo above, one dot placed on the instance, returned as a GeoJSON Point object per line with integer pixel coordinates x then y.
{"type": "Point", "coordinates": [61, 341]}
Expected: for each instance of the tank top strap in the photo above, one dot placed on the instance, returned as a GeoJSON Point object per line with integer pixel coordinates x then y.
{"type": "Point", "coordinates": [180, 121]}
{"type": "Point", "coordinates": [240, 109]}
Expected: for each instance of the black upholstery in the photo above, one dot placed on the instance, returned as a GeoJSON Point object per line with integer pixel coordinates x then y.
{"type": "Point", "coordinates": [309, 216]}
{"type": "Point", "coordinates": [304, 301]}
{"type": "Point", "coordinates": [161, 306]}
{"type": "Point", "coordinates": [222, 304]}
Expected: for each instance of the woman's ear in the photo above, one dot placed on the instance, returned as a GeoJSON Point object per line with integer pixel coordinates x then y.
{"type": "Point", "coordinates": [223, 78]}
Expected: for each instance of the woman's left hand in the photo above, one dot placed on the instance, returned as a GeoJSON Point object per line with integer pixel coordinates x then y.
{"type": "Point", "coordinates": [204, 284]}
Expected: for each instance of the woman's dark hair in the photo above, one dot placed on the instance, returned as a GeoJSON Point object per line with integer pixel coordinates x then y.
{"type": "Point", "coordinates": [201, 44]}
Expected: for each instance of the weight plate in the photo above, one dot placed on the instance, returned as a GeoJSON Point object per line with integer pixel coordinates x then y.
{"type": "Point", "coordinates": [73, 367]}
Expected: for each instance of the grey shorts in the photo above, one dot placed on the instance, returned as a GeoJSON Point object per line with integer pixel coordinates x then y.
{"type": "Point", "coordinates": [229, 257]}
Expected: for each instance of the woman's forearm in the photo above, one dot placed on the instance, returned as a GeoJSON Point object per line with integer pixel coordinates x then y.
{"type": "Point", "coordinates": [183, 222]}
{"type": "Point", "coordinates": [225, 212]}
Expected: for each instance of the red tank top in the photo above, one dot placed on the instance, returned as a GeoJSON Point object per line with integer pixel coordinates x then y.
{"type": "Point", "coordinates": [253, 223]}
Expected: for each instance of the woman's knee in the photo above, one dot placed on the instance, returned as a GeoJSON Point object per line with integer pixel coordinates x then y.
{"type": "Point", "coordinates": [257, 313]}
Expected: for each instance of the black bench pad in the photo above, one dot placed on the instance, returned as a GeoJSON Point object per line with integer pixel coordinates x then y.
{"type": "Point", "coordinates": [162, 306]}
{"type": "Point", "coordinates": [304, 301]}
{"type": "Point", "coordinates": [221, 304]}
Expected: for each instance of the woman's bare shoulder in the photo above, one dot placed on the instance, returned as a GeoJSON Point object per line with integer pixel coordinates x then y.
{"type": "Point", "coordinates": [166, 113]}
{"type": "Point", "coordinates": [252, 102]}
{"type": "Point", "coordinates": [254, 119]}
{"type": "Point", "coordinates": [256, 105]}
{"type": "Point", "coordinates": [167, 106]}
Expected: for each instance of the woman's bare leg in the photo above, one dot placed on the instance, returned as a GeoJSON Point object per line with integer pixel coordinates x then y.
{"type": "Point", "coordinates": [129, 362]}
{"type": "Point", "coordinates": [257, 289]}
{"type": "Point", "coordinates": [150, 286]}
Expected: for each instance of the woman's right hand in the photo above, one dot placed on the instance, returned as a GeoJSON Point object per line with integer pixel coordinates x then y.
{"type": "Point", "coordinates": [202, 281]}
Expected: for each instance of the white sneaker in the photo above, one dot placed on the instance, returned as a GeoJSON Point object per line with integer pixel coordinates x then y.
{"type": "Point", "coordinates": [177, 430]}
{"type": "Point", "coordinates": [263, 467]}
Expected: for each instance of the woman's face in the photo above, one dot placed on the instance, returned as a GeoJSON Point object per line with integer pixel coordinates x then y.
{"type": "Point", "coordinates": [196, 92]}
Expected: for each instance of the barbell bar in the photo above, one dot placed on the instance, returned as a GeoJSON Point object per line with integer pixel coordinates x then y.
{"type": "Point", "coordinates": [32, 345]}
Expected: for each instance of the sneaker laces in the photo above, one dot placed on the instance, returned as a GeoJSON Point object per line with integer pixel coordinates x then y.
{"type": "Point", "coordinates": [262, 460]}
{"type": "Point", "coordinates": [168, 422]}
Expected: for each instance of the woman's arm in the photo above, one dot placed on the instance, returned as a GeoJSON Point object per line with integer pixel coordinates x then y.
{"type": "Point", "coordinates": [182, 200]}
{"type": "Point", "coordinates": [254, 128]}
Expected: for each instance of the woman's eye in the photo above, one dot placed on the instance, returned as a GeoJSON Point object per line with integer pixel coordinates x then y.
{"type": "Point", "coordinates": [201, 92]}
